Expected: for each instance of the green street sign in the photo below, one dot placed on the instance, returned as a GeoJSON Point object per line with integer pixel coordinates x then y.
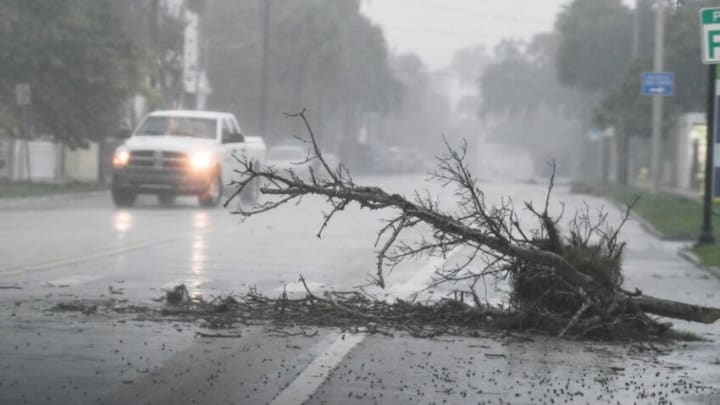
{"type": "Point", "coordinates": [710, 35]}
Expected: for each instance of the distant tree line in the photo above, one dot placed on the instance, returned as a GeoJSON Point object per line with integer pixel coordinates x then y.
{"type": "Point", "coordinates": [586, 74]}
{"type": "Point", "coordinates": [322, 55]}
{"type": "Point", "coordinates": [326, 56]}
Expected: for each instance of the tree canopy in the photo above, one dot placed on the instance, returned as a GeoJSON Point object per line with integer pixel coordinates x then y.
{"type": "Point", "coordinates": [78, 59]}
{"type": "Point", "coordinates": [606, 66]}
{"type": "Point", "coordinates": [527, 105]}
{"type": "Point", "coordinates": [323, 55]}
{"type": "Point", "coordinates": [595, 43]}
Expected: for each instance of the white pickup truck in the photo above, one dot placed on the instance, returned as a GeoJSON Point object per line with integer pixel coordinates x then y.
{"type": "Point", "coordinates": [178, 152]}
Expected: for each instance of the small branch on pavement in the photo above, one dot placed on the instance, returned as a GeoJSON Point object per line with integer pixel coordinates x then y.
{"type": "Point", "coordinates": [218, 335]}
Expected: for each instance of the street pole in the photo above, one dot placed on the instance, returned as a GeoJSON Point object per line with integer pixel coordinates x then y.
{"type": "Point", "coordinates": [154, 23]}
{"type": "Point", "coordinates": [621, 137]}
{"type": "Point", "coordinates": [657, 106]}
{"type": "Point", "coordinates": [636, 31]}
{"type": "Point", "coordinates": [265, 68]}
{"type": "Point", "coordinates": [706, 231]}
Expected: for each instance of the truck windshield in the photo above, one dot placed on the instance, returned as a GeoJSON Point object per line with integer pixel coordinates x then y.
{"type": "Point", "coordinates": [181, 126]}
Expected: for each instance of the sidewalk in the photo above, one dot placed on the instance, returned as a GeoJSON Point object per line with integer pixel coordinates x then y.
{"type": "Point", "coordinates": [8, 203]}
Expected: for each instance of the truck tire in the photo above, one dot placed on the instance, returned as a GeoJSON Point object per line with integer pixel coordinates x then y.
{"type": "Point", "coordinates": [166, 199]}
{"type": "Point", "coordinates": [123, 197]}
{"type": "Point", "coordinates": [213, 195]}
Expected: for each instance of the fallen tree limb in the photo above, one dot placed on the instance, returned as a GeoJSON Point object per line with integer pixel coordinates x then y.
{"type": "Point", "coordinates": [564, 281]}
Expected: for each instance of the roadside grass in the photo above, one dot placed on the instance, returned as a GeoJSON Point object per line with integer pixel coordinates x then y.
{"type": "Point", "coordinates": [674, 217]}
{"type": "Point", "coordinates": [25, 190]}
{"type": "Point", "coordinates": [708, 254]}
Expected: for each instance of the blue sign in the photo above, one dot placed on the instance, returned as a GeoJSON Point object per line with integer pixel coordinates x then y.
{"type": "Point", "coordinates": [658, 83]}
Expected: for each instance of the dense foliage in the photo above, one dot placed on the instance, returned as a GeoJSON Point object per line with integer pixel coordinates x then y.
{"type": "Point", "coordinates": [84, 61]}
{"type": "Point", "coordinates": [79, 62]}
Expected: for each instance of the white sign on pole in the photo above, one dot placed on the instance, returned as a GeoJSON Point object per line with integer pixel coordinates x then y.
{"type": "Point", "coordinates": [22, 94]}
{"type": "Point", "coordinates": [710, 35]}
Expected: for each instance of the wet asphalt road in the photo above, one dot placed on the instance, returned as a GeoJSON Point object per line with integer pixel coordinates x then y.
{"type": "Point", "coordinates": [78, 247]}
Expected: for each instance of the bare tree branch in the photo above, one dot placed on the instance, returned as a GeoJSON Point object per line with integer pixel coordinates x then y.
{"type": "Point", "coordinates": [571, 281]}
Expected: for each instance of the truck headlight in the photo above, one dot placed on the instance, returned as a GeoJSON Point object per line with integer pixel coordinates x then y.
{"type": "Point", "coordinates": [200, 161]}
{"type": "Point", "coordinates": [121, 158]}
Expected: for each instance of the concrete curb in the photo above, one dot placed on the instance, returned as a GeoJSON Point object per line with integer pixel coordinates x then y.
{"type": "Point", "coordinates": [644, 223]}
{"type": "Point", "coordinates": [688, 255]}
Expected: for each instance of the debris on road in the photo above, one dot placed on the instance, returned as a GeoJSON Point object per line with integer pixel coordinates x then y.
{"type": "Point", "coordinates": [564, 282]}
{"type": "Point", "coordinates": [115, 291]}
{"type": "Point", "coordinates": [218, 335]}
{"type": "Point", "coordinates": [178, 295]}
{"type": "Point", "coordinates": [85, 308]}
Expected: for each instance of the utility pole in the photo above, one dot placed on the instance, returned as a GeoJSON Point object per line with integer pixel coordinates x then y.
{"type": "Point", "coordinates": [265, 67]}
{"type": "Point", "coordinates": [154, 23]}
{"type": "Point", "coordinates": [202, 62]}
{"type": "Point", "coordinates": [155, 37]}
{"type": "Point", "coordinates": [657, 105]}
{"type": "Point", "coordinates": [622, 138]}
{"type": "Point", "coordinates": [636, 31]}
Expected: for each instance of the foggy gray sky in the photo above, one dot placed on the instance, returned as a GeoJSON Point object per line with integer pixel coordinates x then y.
{"type": "Point", "coordinates": [435, 29]}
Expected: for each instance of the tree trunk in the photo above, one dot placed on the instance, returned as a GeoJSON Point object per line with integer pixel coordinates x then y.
{"type": "Point", "coordinates": [623, 153]}
{"type": "Point", "coordinates": [677, 310]}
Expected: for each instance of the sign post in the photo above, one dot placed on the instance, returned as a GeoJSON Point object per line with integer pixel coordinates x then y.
{"type": "Point", "coordinates": [710, 42]}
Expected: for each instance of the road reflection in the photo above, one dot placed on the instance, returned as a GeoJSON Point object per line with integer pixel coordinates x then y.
{"type": "Point", "coordinates": [123, 222]}
{"type": "Point", "coordinates": [198, 258]}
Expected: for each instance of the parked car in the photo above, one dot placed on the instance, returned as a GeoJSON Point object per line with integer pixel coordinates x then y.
{"type": "Point", "coordinates": [333, 162]}
{"type": "Point", "coordinates": [289, 157]}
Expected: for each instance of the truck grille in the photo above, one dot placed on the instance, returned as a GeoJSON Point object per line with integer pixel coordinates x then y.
{"type": "Point", "coordinates": [158, 159]}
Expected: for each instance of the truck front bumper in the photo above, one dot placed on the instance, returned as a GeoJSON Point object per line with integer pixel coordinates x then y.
{"type": "Point", "coordinates": [154, 181]}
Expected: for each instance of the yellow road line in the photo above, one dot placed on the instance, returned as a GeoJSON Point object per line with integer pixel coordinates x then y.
{"type": "Point", "coordinates": [100, 254]}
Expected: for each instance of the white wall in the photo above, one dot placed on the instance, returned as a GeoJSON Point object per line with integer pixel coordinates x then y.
{"type": "Point", "coordinates": [682, 148]}
{"type": "Point", "coordinates": [43, 161]}
{"type": "Point", "coordinates": [82, 164]}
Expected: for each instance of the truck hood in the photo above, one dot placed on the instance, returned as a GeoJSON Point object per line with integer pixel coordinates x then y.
{"type": "Point", "coordinates": [170, 143]}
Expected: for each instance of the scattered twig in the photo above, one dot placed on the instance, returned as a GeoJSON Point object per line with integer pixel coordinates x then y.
{"type": "Point", "coordinates": [218, 335]}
